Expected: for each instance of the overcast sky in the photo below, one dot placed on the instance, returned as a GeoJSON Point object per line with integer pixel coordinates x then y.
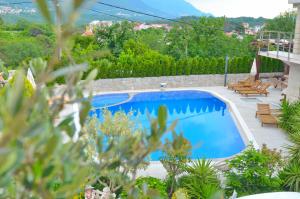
{"type": "Point", "coordinates": [237, 8]}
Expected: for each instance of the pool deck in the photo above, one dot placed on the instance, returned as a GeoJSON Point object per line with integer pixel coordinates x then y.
{"type": "Point", "coordinates": [270, 135]}
{"type": "Point", "coordinates": [273, 137]}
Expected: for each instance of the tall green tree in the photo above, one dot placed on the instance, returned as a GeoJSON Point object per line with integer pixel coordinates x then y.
{"type": "Point", "coordinates": [178, 41]}
{"type": "Point", "coordinates": [285, 22]}
{"type": "Point", "coordinates": [115, 36]}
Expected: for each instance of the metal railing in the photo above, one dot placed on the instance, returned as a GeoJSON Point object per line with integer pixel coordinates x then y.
{"type": "Point", "coordinates": [282, 43]}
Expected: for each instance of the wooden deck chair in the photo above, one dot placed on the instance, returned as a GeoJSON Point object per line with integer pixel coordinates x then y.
{"type": "Point", "coordinates": [248, 80]}
{"type": "Point", "coordinates": [263, 109]}
{"type": "Point", "coordinates": [268, 119]}
{"type": "Point", "coordinates": [245, 82]}
{"type": "Point", "coordinates": [255, 85]}
{"type": "Point", "coordinates": [64, 99]}
{"type": "Point", "coordinates": [262, 90]}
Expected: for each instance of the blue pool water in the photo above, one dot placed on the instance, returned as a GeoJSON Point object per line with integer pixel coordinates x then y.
{"type": "Point", "coordinates": [202, 118]}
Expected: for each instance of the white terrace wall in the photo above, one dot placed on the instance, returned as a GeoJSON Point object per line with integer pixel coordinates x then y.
{"type": "Point", "coordinates": [119, 84]}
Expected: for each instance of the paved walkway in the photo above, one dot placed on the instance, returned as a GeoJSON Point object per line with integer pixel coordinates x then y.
{"type": "Point", "coordinates": [270, 135]}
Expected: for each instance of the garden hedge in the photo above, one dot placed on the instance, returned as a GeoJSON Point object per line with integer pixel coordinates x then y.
{"type": "Point", "coordinates": [155, 65]}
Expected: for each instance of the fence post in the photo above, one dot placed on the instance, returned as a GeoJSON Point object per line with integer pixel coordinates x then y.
{"type": "Point", "coordinates": [226, 70]}
{"type": "Point", "coordinates": [290, 45]}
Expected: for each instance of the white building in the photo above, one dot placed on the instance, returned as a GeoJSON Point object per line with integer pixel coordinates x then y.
{"type": "Point", "coordinates": [97, 23]}
{"type": "Point", "coordinates": [289, 54]}
{"type": "Point", "coordinates": [143, 26]}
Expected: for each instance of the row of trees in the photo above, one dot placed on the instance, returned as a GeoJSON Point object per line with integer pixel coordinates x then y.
{"type": "Point", "coordinates": [119, 51]}
{"type": "Point", "coordinates": [285, 22]}
{"type": "Point", "coordinates": [154, 64]}
{"type": "Point", "coordinates": [138, 60]}
{"type": "Point", "coordinates": [38, 162]}
{"type": "Point", "coordinates": [24, 39]}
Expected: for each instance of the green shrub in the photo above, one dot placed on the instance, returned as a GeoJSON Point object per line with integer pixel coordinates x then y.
{"type": "Point", "coordinates": [254, 172]}
{"type": "Point", "coordinates": [145, 62]}
{"type": "Point", "coordinates": [239, 66]}
{"type": "Point", "coordinates": [233, 65]}
{"type": "Point", "coordinates": [206, 66]}
{"type": "Point", "coordinates": [188, 66]}
{"type": "Point", "coordinates": [270, 65]}
{"type": "Point", "coordinates": [3, 70]}
{"type": "Point", "coordinates": [27, 88]}
{"type": "Point", "coordinates": [290, 117]}
{"type": "Point", "coordinates": [201, 180]}
{"type": "Point", "coordinates": [290, 122]}
{"type": "Point", "coordinates": [213, 65]}
{"type": "Point", "coordinates": [150, 183]}
{"type": "Point", "coordinates": [221, 65]}
{"type": "Point", "coordinates": [294, 148]}
{"type": "Point", "coordinates": [180, 194]}
{"type": "Point", "coordinates": [247, 64]}
{"type": "Point", "coordinates": [291, 176]}
{"type": "Point", "coordinates": [200, 65]}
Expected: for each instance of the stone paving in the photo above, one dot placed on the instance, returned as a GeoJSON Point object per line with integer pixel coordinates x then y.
{"type": "Point", "coordinates": [270, 135]}
{"type": "Point", "coordinates": [121, 84]}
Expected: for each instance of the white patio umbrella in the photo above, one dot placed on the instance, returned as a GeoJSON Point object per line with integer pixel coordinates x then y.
{"type": "Point", "coordinates": [253, 71]}
{"type": "Point", "coordinates": [31, 78]}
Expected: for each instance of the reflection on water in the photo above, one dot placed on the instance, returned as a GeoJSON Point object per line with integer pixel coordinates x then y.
{"type": "Point", "coordinates": [203, 118]}
{"type": "Point", "coordinates": [188, 102]}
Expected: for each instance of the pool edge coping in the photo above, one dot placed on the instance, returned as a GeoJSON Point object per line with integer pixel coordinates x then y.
{"type": "Point", "coordinates": [236, 113]}
{"type": "Point", "coordinates": [238, 119]}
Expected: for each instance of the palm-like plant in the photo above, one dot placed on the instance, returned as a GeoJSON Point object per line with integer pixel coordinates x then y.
{"type": "Point", "coordinates": [290, 117]}
{"type": "Point", "coordinates": [203, 170]}
{"type": "Point", "coordinates": [201, 180]}
{"type": "Point", "coordinates": [290, 121]}
{"type": "Point", "coordinates": [294, 149]}
{"type": "Point", "coordinates": [291, 176]}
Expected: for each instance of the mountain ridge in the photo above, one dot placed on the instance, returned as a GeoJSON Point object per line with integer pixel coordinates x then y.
{"type": "Point", "coordinates": [166, 9]}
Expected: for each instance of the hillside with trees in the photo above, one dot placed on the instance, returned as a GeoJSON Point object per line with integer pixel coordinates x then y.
{"type": "Point", "coordinates": [48, 152]}
{"type": "Point", "coordinates": [197, 47]}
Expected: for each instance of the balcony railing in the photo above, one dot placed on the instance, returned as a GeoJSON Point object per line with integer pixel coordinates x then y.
{"type": "Point", "coordinates": [279, 45]}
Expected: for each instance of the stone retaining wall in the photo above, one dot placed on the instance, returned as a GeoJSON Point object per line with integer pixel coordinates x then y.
{"type": "Point", "coordinates": [103, 85]}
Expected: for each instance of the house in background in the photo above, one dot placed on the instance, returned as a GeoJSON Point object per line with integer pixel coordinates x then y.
{"type": "Point", "coordinates": [285, 47]}
{"type": "Point", "coordinates": [89, 29]}
{"type": "Point", "coordinates": [143, 26]}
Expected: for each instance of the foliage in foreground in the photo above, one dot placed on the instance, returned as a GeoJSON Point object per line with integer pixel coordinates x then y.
{"type": "Point", "coordinates": [176, 156]}
{"type": "Point", "coordinates": [28, 87]}
{"type": "Point", "coordinates": [291, 176]}
{"type": "Point", "coordinates": [290, 122]}
{"type": "Point", "coordinates": [47, 155]}
{"type": "Point", "coordinates": [116, 161]}
{"type": "Point", "coordinates": [254, 172]}
{"type": "Point", "coordinates": [36, 161]}
{"type": "Point", "coordinates": [201, 180]}
{"type": "Point", "coordinates": [146, 185]}
{"type": "Point", "coordinates": [290, 117]}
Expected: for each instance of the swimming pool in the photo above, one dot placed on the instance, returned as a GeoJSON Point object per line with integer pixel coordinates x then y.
{"type": "Point", "coordinates": [204, 119]}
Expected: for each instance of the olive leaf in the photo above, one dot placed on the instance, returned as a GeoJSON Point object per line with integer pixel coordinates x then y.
{"type": "Point", "coordinates": [44, 9]}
